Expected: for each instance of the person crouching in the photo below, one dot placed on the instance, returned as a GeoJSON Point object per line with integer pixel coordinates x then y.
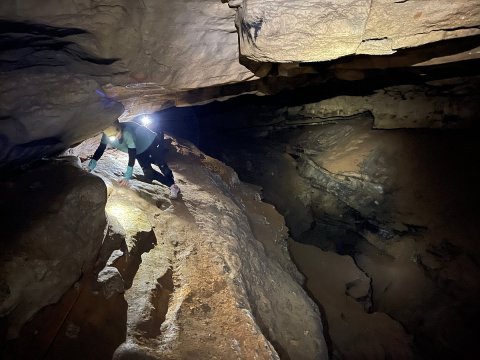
{"type": "Point", "coordinates": [141, 144]}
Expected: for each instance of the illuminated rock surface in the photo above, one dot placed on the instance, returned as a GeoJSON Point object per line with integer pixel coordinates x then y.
{"type": "Point", "coordinates": [170, 45]}
{"type": "Point", "coordinates": [306, 31]}
{"type": "Point", "coordinates": [42, 114]}
{"type": "Point", "coordinates": [206, 276]}
{"type": "Point", "coordinates": [55, 56]}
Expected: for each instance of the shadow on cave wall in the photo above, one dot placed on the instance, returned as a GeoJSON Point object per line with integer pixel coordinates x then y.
{"type": "Point", "coordinates": [26, 44]}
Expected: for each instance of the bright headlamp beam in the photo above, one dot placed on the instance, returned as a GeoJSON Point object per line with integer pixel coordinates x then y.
{"type": "Point", "coordinates": [146, 120]}
{"type": "Point", "coordinates": [111, 138]}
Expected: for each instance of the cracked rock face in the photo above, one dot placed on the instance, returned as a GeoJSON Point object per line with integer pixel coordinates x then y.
{"type": "Point", "coordinates": [343, 290]}
{"type": "Point", "coordinates": [307, 31]}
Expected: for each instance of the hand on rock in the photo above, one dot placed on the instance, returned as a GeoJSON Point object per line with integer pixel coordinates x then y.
{"type": "Point", "coordinates": [124, 182]}
{"type": "Point", "coordinates": [91, 165]}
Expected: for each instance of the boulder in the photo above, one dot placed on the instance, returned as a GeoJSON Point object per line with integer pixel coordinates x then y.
{"type": "Point", "coordinates": [53, 224]}
{"type": "Point", "coordinates": [111, 281]}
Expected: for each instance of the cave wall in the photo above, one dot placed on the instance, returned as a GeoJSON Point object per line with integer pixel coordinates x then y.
{"type": "Point", "coordinates": [51, 92]}
{"type": "Point", "coordinates": [402, 204]}
{"type": "Point", "coordinates": [414, 236]}
{"type": "Point", "coordinates": [68, 69]}
{"type": "Point", "coordinates": [449, 103]}
{"type": "Point", "coordinates": [53, 222]}
{"type": "Point", "coordinates": [41, 114]}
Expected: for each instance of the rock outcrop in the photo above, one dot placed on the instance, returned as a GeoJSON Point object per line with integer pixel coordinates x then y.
{"type": "Point", "coordinates": [308, 31]}
{"type": "Point", "coordinates": [44, 113]}
{"type": "Point", "coordinates": [205, 276]}
{"type": "Point", "coordinates": [162, 44]}
{"type": "Point", "coordinates": [451, 103]}
{"type": "Point", "coordinates": [51, 88]}
{"type": "Point", "coordinates": [53, 223]}
{"type": "Point", "coordinates": [439, 104]}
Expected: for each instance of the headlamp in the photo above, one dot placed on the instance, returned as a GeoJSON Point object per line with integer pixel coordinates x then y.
{"type": "Point", "coordinates": [146, 120]}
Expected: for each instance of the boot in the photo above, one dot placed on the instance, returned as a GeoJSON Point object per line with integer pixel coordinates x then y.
{"type": "Point", "coordinates": [174, 191]}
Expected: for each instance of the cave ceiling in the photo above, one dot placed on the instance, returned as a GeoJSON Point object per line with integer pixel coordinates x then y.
{"type": "Point", "coordinates": [69, 68]}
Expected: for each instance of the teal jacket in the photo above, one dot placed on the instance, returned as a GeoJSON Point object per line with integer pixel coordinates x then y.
{"type": "Point", "coordinates": [134, 136]}
{"type": "Point", "coordinates": [135, 140]}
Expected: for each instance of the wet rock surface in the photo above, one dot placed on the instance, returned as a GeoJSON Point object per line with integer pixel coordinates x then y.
{"type": "Point", "coordinates": [205, 276]}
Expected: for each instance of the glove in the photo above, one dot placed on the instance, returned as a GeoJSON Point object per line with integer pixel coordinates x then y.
{"type": "Point", "coordinates": [128, 173]}
{"type": "Point", "coordinates": [92, 164]}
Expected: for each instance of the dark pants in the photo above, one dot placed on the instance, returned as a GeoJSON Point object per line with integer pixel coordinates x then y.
{"type": "Point", "coordinates": [155, 154]}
